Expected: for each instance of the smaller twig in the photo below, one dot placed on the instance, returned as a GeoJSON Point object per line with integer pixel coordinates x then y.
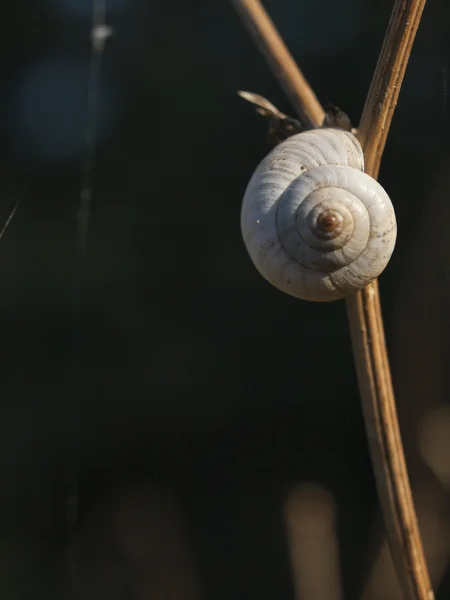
{"type": "Point", "coordinates": [265, 107]}
{"type": "Point", "coordinates": [269, 41]}
{"type": "Point", "coordinates": [280, 125]}
{"type": "Point", "coordinates": [8, 221]}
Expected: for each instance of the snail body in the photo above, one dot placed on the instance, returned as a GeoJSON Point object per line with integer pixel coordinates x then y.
{"type": "Point", "coordinates": [314, 224]}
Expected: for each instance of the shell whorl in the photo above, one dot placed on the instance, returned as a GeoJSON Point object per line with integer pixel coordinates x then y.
{"type": "Point", "coordinates": [314, 224]}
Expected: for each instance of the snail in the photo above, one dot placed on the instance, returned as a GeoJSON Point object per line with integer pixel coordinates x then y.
{"type": "Point", "coordinates": [314, 224]}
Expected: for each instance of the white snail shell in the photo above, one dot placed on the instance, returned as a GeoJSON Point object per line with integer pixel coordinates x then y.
{"type": "Point", "coordinates": [315, 225]}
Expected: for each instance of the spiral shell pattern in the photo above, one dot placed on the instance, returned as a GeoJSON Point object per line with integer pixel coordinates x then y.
{"type": "Point", "coordinates": [314, 224]}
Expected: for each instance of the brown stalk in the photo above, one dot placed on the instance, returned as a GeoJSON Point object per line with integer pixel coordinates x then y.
{"type": "Point", "coordinates": [387, 81]}
{"type": "Point", "coordinates": [364, 309]}
{"type": "Point", "coordinates": [367, 331]}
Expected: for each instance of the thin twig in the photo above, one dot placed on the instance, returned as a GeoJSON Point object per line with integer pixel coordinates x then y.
{"type": "Point", "coordinates": [364, 309]}
{"type": "Point", "coordinates": [291, 79]}
{"type": "Point", "coordinates": [280, 125]}
{"type": "Point", "coordinates": [8, 221]}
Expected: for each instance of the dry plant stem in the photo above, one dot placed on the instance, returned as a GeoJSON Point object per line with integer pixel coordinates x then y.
{"type": "Point", "coordinates": [387, 80]}
{"type": "Point", "coordinates": [386, 450]}
{"type": "Point", "coordinates": [367, 332]}
{"type": "Point", "coordinates": [364, 309]}
{"type": "Point", "coordinates": [270, 43]}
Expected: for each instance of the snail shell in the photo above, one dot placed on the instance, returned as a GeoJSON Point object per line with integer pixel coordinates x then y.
{"type": "Point", "coordinates": [315, 225]}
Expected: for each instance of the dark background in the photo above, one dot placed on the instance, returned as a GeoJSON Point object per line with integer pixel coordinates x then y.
{"type": "Point", "coordinates": [181, 368]}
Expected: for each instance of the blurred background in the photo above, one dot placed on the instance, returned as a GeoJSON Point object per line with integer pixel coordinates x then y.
{"type": "Point", "coordinates": [181, 429]}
